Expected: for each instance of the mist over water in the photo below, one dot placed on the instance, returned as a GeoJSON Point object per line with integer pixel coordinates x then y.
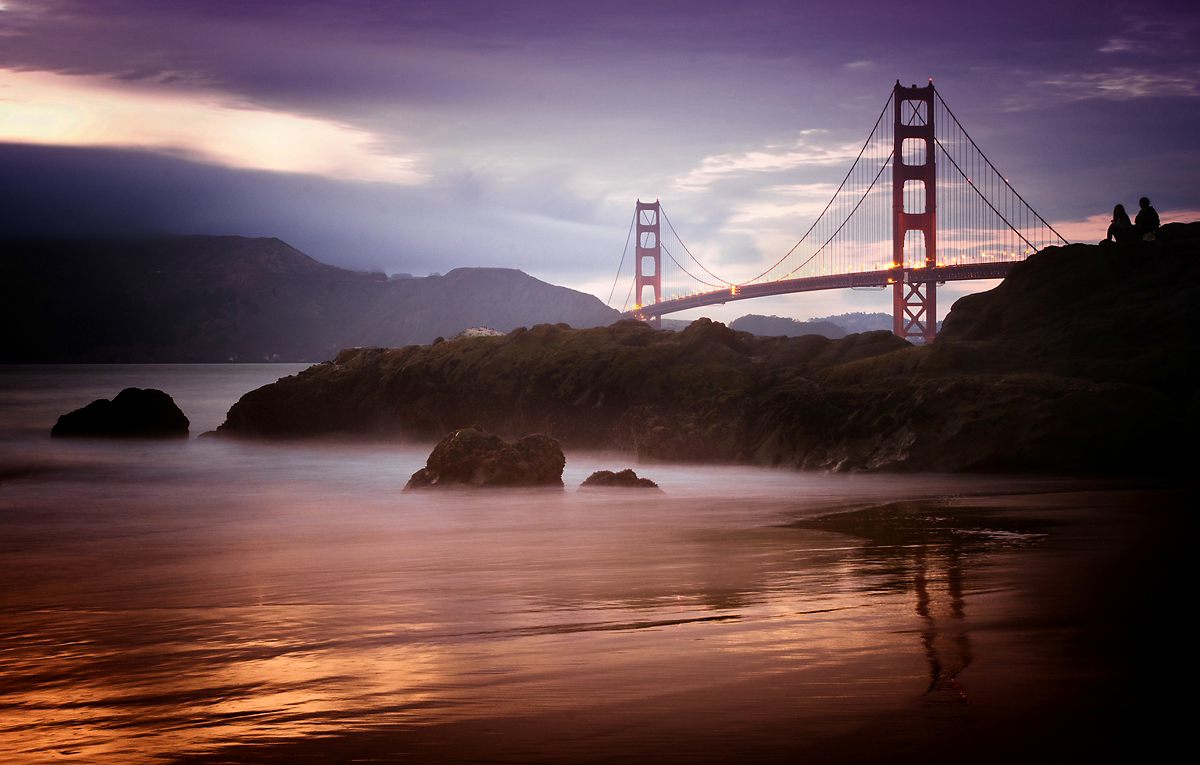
{"type": "Point", "coordinates": [171, 600]}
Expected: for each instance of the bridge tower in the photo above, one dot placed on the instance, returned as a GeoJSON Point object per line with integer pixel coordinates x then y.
{"type": "Point", "coordinates": [648, 250]}
{"type": "Point", "coordinates": [914, 209]}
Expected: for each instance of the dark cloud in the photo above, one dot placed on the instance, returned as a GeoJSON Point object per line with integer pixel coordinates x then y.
{"type": "Point", "coordinates": [56, 191]}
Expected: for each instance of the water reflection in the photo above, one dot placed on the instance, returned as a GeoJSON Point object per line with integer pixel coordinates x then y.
{"type": "Point", "coordinates": [946, 638]}
{"type": "Point", "coordinates": [237, 603]}
{"type": "Point", "coordinates": [929, 549]}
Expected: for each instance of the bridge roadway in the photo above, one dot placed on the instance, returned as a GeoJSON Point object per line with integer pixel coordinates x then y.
{"type": "Point", "coordinates": [881, 278]}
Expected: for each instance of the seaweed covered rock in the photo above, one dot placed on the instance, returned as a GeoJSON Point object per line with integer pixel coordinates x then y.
{"type": "Point", "coordinates": [474, 457]}
{"type": "Point", "coordinates": [626, 479]}
{"type": "Point", "coordinates": [134, 412]}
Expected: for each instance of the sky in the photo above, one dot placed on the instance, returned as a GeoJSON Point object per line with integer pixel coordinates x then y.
{"type": "Point", "coordinates": [417, 137]}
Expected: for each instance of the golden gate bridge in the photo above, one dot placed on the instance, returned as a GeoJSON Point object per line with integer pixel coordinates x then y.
{"type": "Point", "coordinates": [919, 207]}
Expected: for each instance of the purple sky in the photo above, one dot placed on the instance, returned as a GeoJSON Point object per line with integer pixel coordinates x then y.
{"type": "Point", "coordinates": [420, 136]}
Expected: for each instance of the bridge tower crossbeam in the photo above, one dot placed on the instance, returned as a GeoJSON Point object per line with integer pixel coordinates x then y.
{"type": "Point", "coordinates": [914, 208]}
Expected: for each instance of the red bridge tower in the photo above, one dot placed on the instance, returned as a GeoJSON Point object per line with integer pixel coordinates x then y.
{"type": "Point", "coordinates": [648, 248]}
{"type": "Point", "coordinates": [914, 209]}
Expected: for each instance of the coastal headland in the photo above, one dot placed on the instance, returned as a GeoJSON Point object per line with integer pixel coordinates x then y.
{"type": "Point", "coordinates": [1081, 361]}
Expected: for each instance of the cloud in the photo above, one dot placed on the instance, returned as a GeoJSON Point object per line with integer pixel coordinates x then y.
{"type": "Point", "coordinates": [771, 159]}
{"type": "Point", "coordinates": [798, 202]}
{"type": "Point", "coordinates": [1154, 32]}
{"type": "Point", "coordinates": [1123, 84]}
{"type": "Point", "coordinates": [69, 110]}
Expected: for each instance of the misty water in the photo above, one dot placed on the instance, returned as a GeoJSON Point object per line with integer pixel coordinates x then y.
{"type": "Point", "coordinates": [224, 601]}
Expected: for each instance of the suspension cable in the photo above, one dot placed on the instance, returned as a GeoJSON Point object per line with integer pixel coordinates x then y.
{"type": "Point", "coordinates": [831, 201]}
{"type": "Point", "coordinates": [689, 252]}
{"type": "Point", "coordinates": [689, 273]}
{"type": "Point", "coordinates": [994, 170]}
{"type": "Point", "coordinates": [858, 204]}
{"type": "Point", "coordinates": [986, 200]}
{"type": "Point", "coordinates": [624, 252]}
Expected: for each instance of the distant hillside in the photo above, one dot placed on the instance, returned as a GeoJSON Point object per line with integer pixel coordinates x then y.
{"type": "Point", "coordinates": [832, 327]}
{"type": "Point", "coordinates": [782, 326]}
{"type": "Point", "coordinates": [858, 321]}
{"type": "Point", "coordinates": [226, 298]}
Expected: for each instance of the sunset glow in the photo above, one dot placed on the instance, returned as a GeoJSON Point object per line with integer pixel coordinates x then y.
{"type": "Point", "coordinates": [65, 110]}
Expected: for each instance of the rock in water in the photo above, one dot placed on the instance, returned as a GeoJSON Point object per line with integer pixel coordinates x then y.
{"type": "Point", "coordinates": [135, 412]}
{"type": "Point", "coordinates": [474, 457]}
{"type": "Point", "coordinates": [626, 479]}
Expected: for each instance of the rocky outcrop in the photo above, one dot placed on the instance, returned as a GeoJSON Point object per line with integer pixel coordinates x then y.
{"type": "Point", "coordinates": [1017, 422]}
{"type": "Point", "coordinates": [626, 479]}
{"type": "Point", "coordinates": [1082, 361]}
{"type": "Point", "coordinates": [134, 412]}
{"type": "Point", "coordinates": [474, 457]}
{"type": "Point", "coordinates": [660, 395]}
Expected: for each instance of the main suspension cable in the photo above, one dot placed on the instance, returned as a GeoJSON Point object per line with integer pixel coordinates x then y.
{"type": "Point", "coordinates": [994, 170]}
{"type": "Point", "coordinates": [689, 252]}
{"type": "Point", "coordinates": [624, 252]}
{"type": "Point", "coordinates": [831, 201]}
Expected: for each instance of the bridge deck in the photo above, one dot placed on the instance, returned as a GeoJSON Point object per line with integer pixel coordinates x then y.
{"type": "Point", "coordinates": [880, 278]}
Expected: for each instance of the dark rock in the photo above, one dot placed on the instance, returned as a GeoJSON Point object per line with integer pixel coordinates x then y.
{"type": "Point", "coordinates": [135, 412]}
{"type": "Point", "coordinates": [965, 423]}
{"type": "Point", "coordinates": [626, 479]}
{"type": "Point", "coordinates": [474, 457]}
{"type": "Point", "coordinates": [662, 395]}
{"type": "Point", "coordinates": [545, 456]}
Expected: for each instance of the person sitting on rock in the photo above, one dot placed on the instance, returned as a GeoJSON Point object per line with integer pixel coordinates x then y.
{"type": "Point", "coordinates": [1120, 230]}
{"type": "Point", "coordinates": [1146, 222]}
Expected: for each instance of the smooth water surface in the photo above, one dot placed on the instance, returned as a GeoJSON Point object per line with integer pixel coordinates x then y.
{"type": "Point", "coordinates": [222, 601]}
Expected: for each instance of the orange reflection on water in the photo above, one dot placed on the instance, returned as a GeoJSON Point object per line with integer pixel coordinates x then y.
{"type": "Point", "coordinates": [188, 615]}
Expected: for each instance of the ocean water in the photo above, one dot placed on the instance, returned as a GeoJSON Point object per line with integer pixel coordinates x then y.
{"type": "Point", "coordinates": [218, 601]}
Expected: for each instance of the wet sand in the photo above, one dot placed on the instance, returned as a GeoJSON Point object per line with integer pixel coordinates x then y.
{"type": "Point", "coordinates": [225, 603]}
{"type": "Point", "coordinates": [1061, 649]}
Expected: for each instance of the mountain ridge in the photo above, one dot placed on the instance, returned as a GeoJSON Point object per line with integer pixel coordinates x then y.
{"type": "Point", "coordinates": [201, 298]}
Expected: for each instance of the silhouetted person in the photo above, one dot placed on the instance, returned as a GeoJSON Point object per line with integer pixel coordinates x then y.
{"type": "Point", "coordinates": [1146, 222]}
{"type": "Point", "coordinates": [1120, 230]}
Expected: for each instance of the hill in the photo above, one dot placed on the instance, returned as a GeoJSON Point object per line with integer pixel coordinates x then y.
{"type": "Point", "coordinates": [832, 327]}
{"type": "Point", "coordinates": [859, 321]}
{"type": "Point", "coordinates": [227, 298]}
{"type": "Point", "coordinates": [1082, 360]}
{"type": "Point", "coordinates": [776, 326]}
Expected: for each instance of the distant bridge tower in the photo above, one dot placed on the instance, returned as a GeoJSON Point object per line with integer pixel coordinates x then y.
{"type": "Point", "coordinates": [648, 251]}
{"type": "Point", "coordinates": [914, 209]}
